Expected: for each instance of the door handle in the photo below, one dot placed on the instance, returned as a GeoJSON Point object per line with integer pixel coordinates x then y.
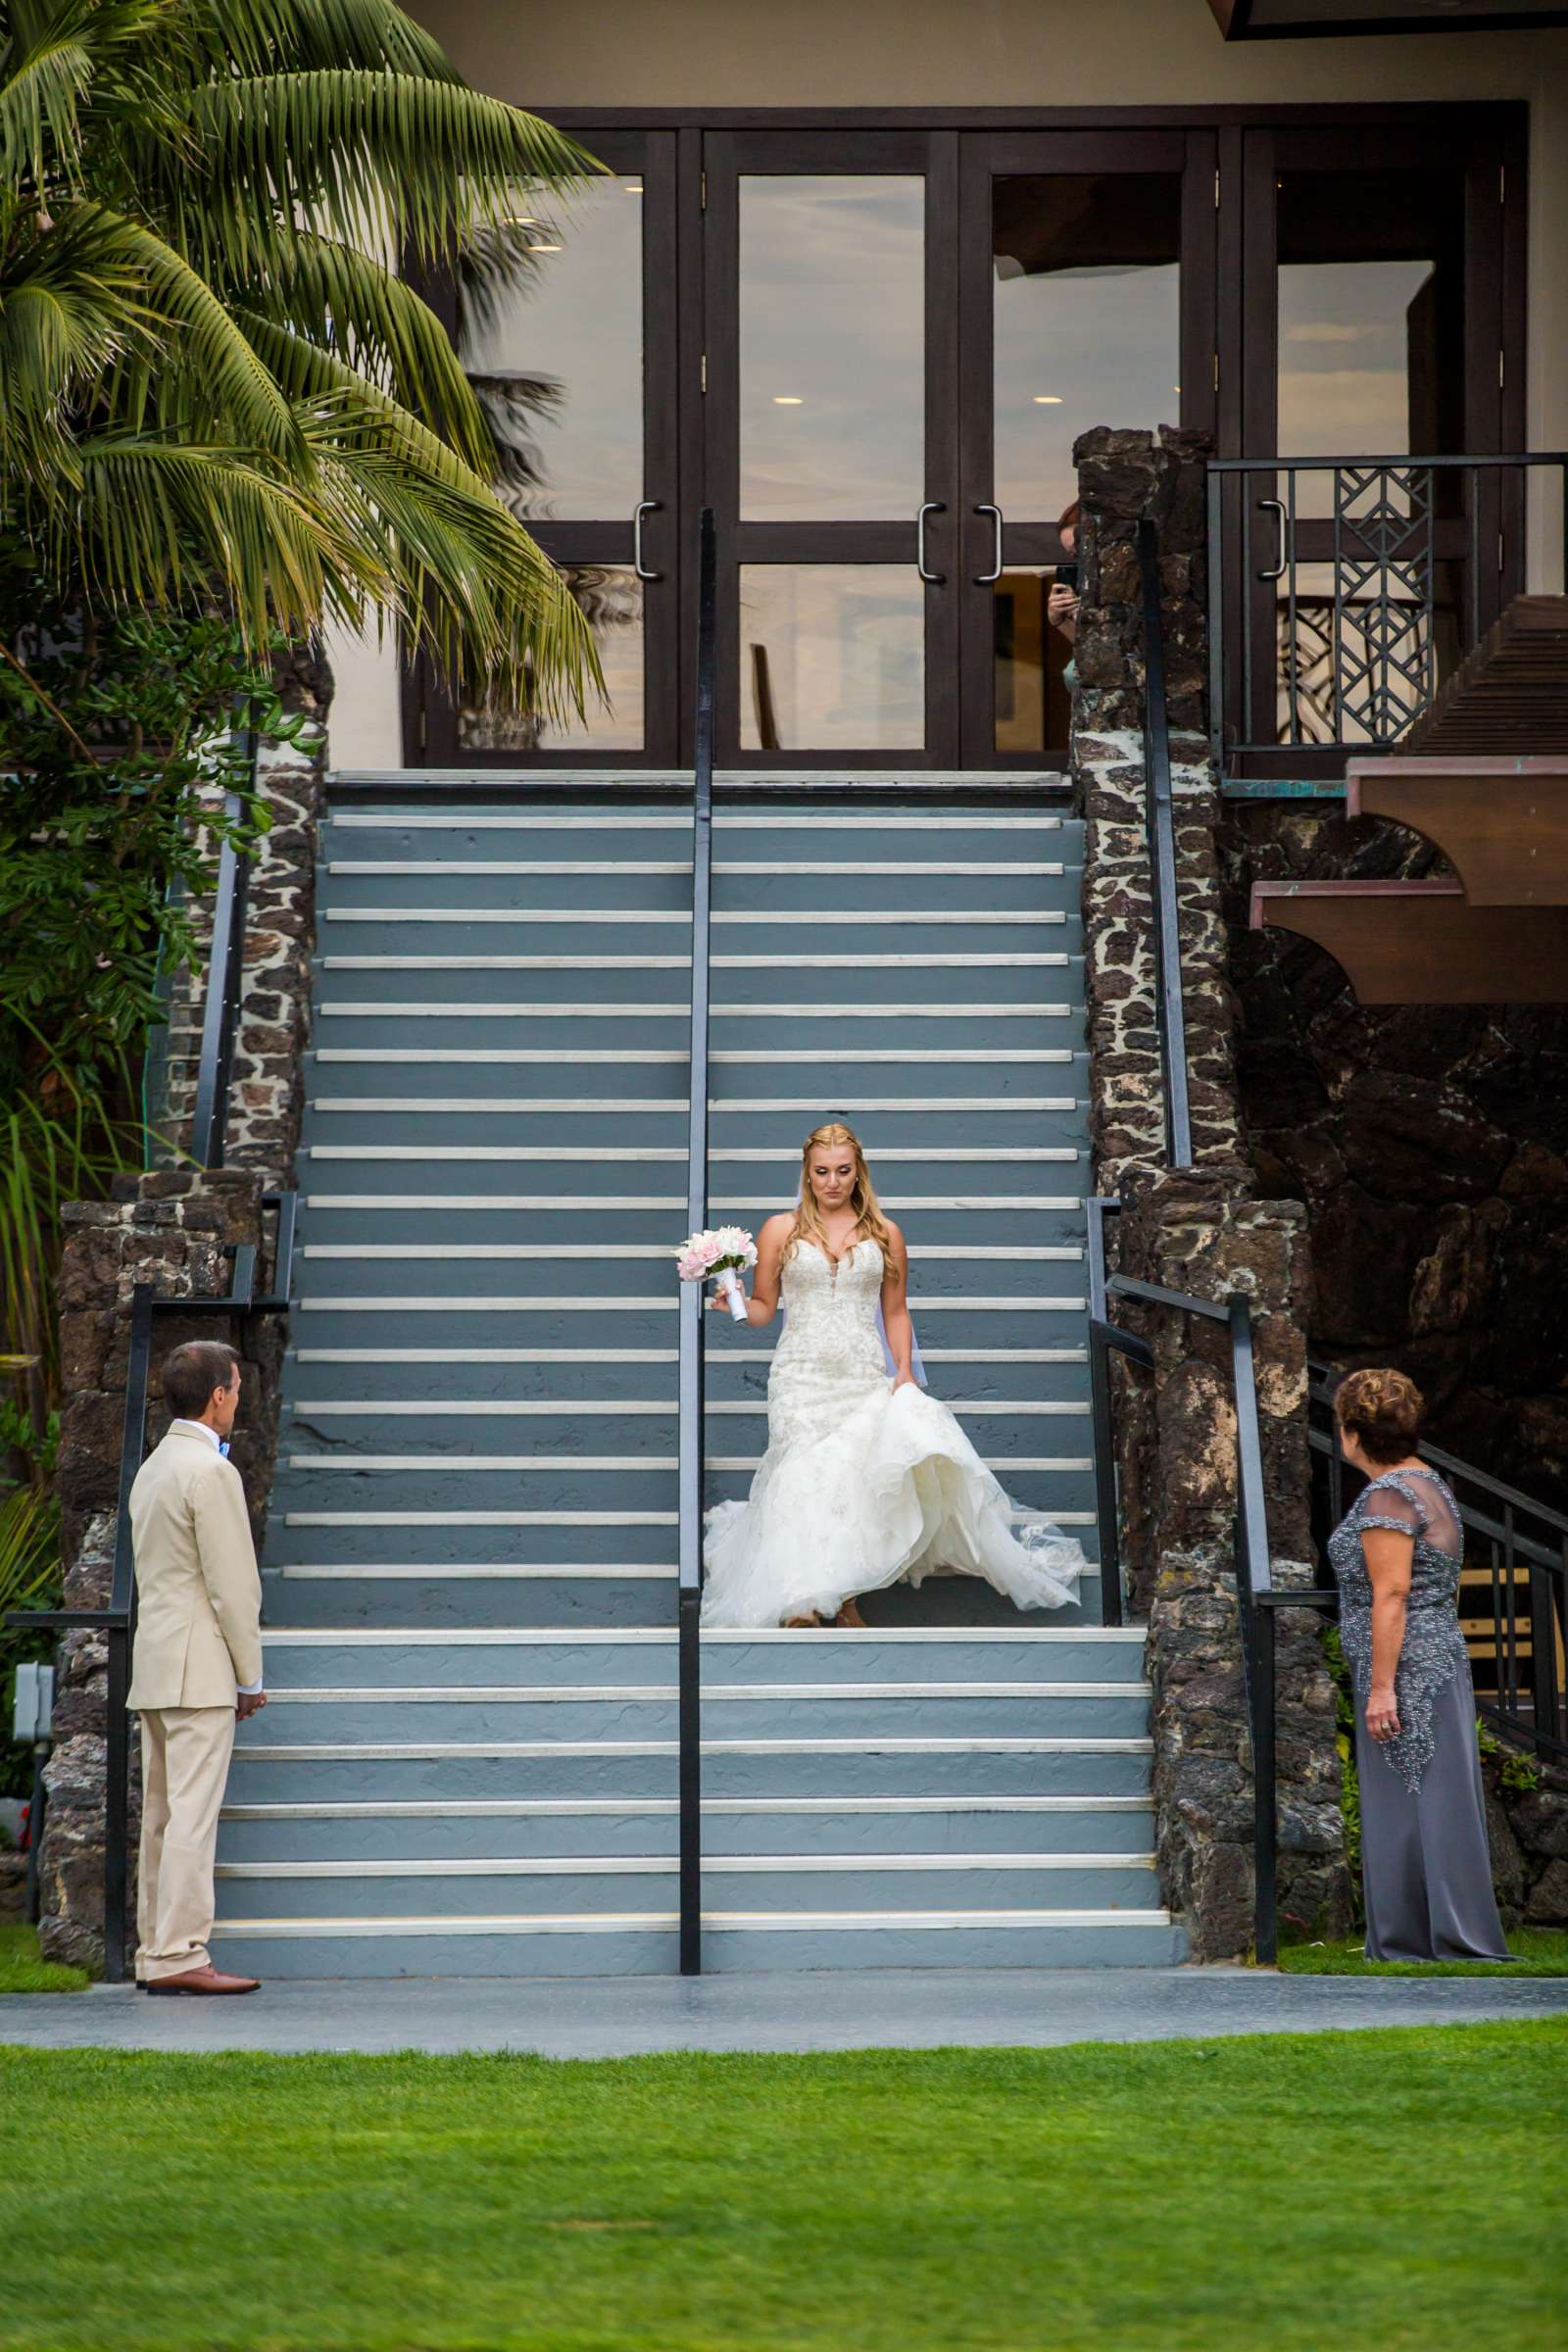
{"type": "Point", "coordinates": [1276, 506]}
{"type": "Point", "coordinates": [933, 579]}
{"type": "Point", "coordinates": [983, 579]}
{"type": "Point", "coordinates": [648, 506]}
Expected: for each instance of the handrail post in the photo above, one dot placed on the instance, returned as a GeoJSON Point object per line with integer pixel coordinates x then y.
{"type": "Point", "coordinates": [1161, 828]}
{"type": "Point", "coordinates": [1106, 1508]}
{"type": "Point", "coordinates": [225, 977]}
{"type": "Point", "coordinates": [1255, 1580]}
{"type": "Point", "coordinates": [689, 1709]}
{"type": "Point", "coordinates": [122, 1601]}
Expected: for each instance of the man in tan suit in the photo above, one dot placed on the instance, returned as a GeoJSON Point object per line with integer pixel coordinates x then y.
{"type": "Point", "coordinates": [197, 1665]}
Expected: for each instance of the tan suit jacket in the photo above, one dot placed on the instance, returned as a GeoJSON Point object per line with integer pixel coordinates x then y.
{"type": "Point", "coordinates": [199, 1596]}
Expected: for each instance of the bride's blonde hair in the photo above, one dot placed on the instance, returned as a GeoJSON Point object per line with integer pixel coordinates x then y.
{"type": "Point", "coordinates": [870, 1225]}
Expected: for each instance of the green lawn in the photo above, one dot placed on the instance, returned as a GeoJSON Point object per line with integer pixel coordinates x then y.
{"type": "Point", "coordinates": [21, 1970]}
{"type": "Point", "coordinates": [1287, 2191]}
{"type": "Point", "coordinates": [1538, 1952]}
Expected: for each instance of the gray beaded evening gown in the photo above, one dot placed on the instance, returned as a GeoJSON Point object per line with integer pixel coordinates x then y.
{"type": "Point", "coordinates": [1425, 1867]}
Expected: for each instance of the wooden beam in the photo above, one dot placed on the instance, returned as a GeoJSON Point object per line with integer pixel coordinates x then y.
{"type": "Point", "coordinates": [1502, 825]}
{"type": "Point", "coordinates": [1419, 943]}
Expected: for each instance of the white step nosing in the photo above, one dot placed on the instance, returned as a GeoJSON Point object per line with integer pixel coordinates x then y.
{"type": "Point", "coordinates": [471, 1465]}
{"type": "Point", "coordinates": [651, 1866]}
{"type": "Point", "coordinates": [554, 868]}
{"type": "Point", "coordinates": [809, 960]}
{"type": "Point", "coordinates": [428, 1106]}
{"type": "Point", "coordinates": [628, 818]}
{"type": "Point", "coordinates": [764, 1156]}
{"type": "Point", "coordinates": [814, 918]}
{"type": "Point", "coordinates": [644, 1203]}
{"type": "Point", "coordinates": [1041, 960]}
{"type": "Point", "coordinates": [481, 1519]}
{"type": "Point", "coordinates": [616, 1303]}
{"type": "Point", "coordinates": [623, 1695]}
{"type": "Point", "coordinates": [513, 1356]}
{"type": "Point", "coordinates": [1030, 1256]}
{"type": "Point", "coordinates": [490, 1636]}
{"type": "Point", "coordinates": [468, 1519]}
{"type": "Point", "coordinates": [646, 1355]}
{"type": "Point", "coordinates": [329, 1572]}
{"type": "Point", "coordinates": [549, 1010]}
{"type": "Point", "coordinates": [609, 1923]}
{"type": "Point", "coordinates": [537, 1750]}
{"type": "Point", "coordinates": [564, 1407]}
{"type": "Point", "coordinates": [564, 1808]}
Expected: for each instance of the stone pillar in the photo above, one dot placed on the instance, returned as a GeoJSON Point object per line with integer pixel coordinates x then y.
{"type": "Point", "coordinates": [172, 1230]}
{"type": "Point", "coordinates": [1202, 1232]}
{"type": "Point", "coordinates": [1124, 477]}
{"type": "Point", "coordinates": [1206, 1234]}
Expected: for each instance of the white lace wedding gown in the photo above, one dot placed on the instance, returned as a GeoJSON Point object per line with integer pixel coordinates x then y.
{"type": "Point", "coordinates": [859, 1486]}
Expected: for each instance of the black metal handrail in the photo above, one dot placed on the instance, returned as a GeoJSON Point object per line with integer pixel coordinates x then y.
{"type": "Point", "coordinates": [116, 1619]}
{"type": "Point", "coordinates": [1169, 1010]}
{"type": "Point", "coordinates": [689, 1667]}
{"type": "Point", "coordinates": [225, 968]}
{"type": "Point", "coordinates": [1356, 594]}
{"type": "Point", "coordinates": [1526, 1562]}
{"type": "Point", "coordinates": [1257, 1594]}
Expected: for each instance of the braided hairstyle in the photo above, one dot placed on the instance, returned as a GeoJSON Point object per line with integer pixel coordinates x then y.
{"type": "Point", "coordinates": [1383, 1410]}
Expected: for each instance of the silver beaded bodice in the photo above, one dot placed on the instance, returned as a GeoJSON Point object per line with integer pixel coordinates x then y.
{"type": "Point", "coordinates": [1416, 1504]}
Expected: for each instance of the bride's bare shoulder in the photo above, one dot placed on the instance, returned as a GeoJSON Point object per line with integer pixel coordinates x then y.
{"type": "Point", "coordinates": [774, 1232]}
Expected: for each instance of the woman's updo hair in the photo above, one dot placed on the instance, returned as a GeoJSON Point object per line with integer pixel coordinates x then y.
{"type": "Point", "coordinates": [1383, 1411]}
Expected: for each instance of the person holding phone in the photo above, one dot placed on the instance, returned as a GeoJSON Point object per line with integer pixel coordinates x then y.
{"type": "Point", "coordinates": [1061, 605]}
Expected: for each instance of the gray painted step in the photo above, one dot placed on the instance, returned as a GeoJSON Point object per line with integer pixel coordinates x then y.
{"type": "Point", "coordinates": [527, 1829]}
{"type": "Point", "coordinates": [761, 1883]}
{"type": "Point", "coordinates": [407, 1764]}
{"type": "Point", "coordinates": [640, 1944]}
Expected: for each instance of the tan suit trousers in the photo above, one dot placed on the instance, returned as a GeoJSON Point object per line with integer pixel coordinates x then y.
{"type": "Point", "coordinates": [184, 1770]}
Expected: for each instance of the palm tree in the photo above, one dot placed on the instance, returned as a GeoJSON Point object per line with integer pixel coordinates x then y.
{"type": "Point", "coordinates": [213, 377]}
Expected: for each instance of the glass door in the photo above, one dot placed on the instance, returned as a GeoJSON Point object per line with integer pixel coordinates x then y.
{"type": "Point", "coordinates": [576, 369]}
{"type": "Point", "coordinates": [828, 398]}
{"type": "Point", "coordinates": [1087, 277]}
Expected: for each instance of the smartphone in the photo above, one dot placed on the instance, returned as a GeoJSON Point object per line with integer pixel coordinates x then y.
{"type": "Point", "coordinates": [1067, 576]}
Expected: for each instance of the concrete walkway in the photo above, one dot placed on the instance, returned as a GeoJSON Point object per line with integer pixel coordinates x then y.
{"type": "Point", "coordinates": [617, 2017]}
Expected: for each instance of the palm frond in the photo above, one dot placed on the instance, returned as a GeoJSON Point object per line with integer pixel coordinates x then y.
{"type": "Point", "coordinates": [332, 295]}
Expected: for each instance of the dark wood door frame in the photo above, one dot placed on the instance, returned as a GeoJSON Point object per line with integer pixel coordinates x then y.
{"type": "Point", "coordinates": [1223, 253]}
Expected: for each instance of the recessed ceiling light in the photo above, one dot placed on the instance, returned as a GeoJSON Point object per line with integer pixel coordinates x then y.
{"type": "Point", "coordinates": [788, 399]}
{"type": "Point", "coordinates": [634, 187]}
{"type": "Point", "coordinates": [544, 248]}
{"type": "Point", "coordinates": [519, 221]}
{"type": "Point", "coordinates": [1047, 400]}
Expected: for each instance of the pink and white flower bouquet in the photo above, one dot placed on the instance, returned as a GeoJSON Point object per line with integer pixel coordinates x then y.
{"type": "Point", "coordinates": [725, 1253]}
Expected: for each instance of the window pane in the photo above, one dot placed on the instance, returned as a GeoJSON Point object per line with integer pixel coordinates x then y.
{"type": "Point", "coordinates": [560, 368]}
{"type": "Point", "coordinates": [832, 348]}
{"type": "Point", "coordinates": [1371, 319]}
{"type": "Point", "coordinates": [1087, 307]}
{"type": "Point", "coordinates": [832, 657]}
{"type": "Point", "coordinates": [612, 601]}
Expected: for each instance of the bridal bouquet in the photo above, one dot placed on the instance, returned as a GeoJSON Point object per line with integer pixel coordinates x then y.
{"type": "Point", "coordinates": [725, 1253]}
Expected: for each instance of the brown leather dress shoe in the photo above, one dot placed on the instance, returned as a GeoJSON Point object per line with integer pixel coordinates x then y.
{"type": "Point", "coordinates": [204, 1980]}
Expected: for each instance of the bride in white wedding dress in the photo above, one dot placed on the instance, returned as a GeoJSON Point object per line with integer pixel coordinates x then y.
{"type": "Point", "coordinates": [867, 1479]}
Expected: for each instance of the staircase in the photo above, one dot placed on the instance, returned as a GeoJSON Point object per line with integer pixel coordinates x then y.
{"type": "Point", "coordinates": [469, 1764]}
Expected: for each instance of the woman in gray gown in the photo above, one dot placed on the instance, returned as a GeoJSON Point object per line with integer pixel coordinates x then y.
{"type": "Point", "coordinates": [1397, 1555]}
